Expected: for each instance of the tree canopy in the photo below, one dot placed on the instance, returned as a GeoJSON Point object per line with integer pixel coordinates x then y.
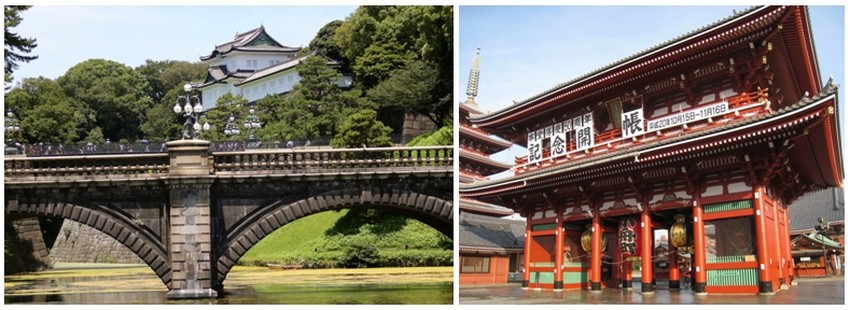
{"type": "Point", "coordinates": [407, 48]}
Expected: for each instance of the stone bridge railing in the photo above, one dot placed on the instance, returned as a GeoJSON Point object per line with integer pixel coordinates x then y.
{"type": "Point", "coordinates": [333, 160]}
{"type": "Point", "coordinates": [85, 167]}
{"type": "Point", "coordinates": [277, 161]}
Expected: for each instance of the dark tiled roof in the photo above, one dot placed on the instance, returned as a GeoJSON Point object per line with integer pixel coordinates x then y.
{"type": "Point", "coordinates": [491, 232]}
{"type": "Point", "coordinates": [289, 64]}
{"type": "Point", "coordinates": [828, 203]}
{"type": "Point", "coordinates": [243, 40]}
{"type": "Point", "coordinates": [478, 207]}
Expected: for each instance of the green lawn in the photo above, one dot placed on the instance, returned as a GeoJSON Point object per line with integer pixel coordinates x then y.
{"type": "Point", "coordinates": [324, 240]}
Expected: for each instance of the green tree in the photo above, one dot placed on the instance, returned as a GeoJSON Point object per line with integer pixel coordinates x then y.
{"type": "Point", "coordinates": [362, 129]}
{"type": "Point", "coordinates": [324, 43]}
{"type": "Point", "coordinates": [114, 95]}
{"type": "Point", "coordinates": [408, 49]}
{"type": "Point", "coordinates": [217, 117]}
{"type": "Point", "coordinates": [164, 75]}
{"type": "Point", "coordinates": [17, 49]}
{"type": "Point", "coordinates": [49, 123]}
{"type": "Point", "coordinates": [166, 80]}
{"type": "Point", "coordinates": [36, 98]}
{"type": "Point", "coordinates": [354, 35]}
{"type": "Point", "coordinates": [313, 109]}
{"type": "Point", "coordinates": [416, 88]}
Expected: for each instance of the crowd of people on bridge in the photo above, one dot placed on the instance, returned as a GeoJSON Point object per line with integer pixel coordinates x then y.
{"type": "Point", "coordinates": [142, 146]}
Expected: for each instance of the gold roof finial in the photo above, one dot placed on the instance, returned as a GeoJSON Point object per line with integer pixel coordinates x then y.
{"type": "Point", "coordinates": [472, 87]}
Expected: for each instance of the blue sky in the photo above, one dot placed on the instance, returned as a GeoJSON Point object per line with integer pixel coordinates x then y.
{"type": "Point", "coordinates": [527, 50]}
{"type": "Point", "coordinates": [68, 35]}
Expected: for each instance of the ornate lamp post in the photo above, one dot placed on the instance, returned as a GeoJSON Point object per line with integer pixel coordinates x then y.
{"type": "Point", "coordinates": [231, 129]}
{"type": "Point", "coordinates": [822, 228]}
{"type": "Point", "coordinates": [252, 122]}
{"type": "Point", "coordinates": [192, 113]}
{"type": "Point", "coordinates": [12, 127]}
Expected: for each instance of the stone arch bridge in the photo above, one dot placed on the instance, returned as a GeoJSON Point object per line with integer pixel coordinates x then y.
{"type": "Point", "coordinates": [190, 214]}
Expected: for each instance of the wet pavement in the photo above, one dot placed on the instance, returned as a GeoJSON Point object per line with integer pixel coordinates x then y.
{"type": "Point", "coordinates": [807, 291]}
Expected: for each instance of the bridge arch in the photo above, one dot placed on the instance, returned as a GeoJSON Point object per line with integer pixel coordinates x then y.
{"type": "Point", "coordinates": [113, 223]}
{"type": "Point", "coordinates": [433, 211]}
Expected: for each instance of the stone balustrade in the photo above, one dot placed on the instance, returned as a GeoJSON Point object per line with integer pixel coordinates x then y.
{"type": "Point", "coordinates": [333, 160]}
{"type": "Point", "coordinates": [265, 161]}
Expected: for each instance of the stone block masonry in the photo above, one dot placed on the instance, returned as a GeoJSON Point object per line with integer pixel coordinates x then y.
{"type": "Point", "coordinates": [80, 243]}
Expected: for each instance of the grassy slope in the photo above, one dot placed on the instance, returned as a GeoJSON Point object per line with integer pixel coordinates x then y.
{"type": "Point", "coordinates": [320, 240]}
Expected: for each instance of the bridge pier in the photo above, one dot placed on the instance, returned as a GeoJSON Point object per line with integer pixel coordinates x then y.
{"type": "Point", "coordinates": [189, 235]}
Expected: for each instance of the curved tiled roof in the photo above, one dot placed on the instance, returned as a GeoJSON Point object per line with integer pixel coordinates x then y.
{"type": "Point", "coordinates": [490, 233]}
{"type": "Point", "coordinates": [804, 212]}
{"type": "Point", "coordinates": [634, 152]}
{"type": "Point", "coordinates": [243, 40]}
{"type": "Point", "coordinates": [479, 207]}
{"type": "Point", "coordinates": [292, 63]}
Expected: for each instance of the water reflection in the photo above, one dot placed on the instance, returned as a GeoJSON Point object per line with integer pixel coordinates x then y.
{"type": "Point", "coordinates": [265, 294]}
{"type": "Point", "coordinates": [99, 292]}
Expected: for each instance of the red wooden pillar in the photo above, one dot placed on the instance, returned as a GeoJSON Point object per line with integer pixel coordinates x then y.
{"type": "Point", "coordinates": [559, 251]}
{"type": "Point", "coordinates": [526, 274]}
{"type": "Point", "coordinates": [627, 274]}
{"type": "Point", "coordinates": [646, 237]}
{"type": "Point", "coordinates": [765, 284]}
{"type": "Point", "coordinates": [617, 272]}
{"type": "Point", "coordinates": [788, 262]}
{"type": "Point", "coordinates": [673, 264]}
{"type": "Point", "coordinates": [785, 245]}
{"type": "Point", "coordinates": [698, 270]}
{"type": "Point", "coordinates": [779, 270]}
{"type": "Point", "coordinates": [596, 252]}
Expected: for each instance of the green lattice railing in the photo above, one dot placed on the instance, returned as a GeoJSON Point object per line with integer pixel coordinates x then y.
{"type": "Point", "coordinates": [542, 277]}
{"type": "Point", "coordinates": [732, 277]}
{"type": "Point", "coordinates": [543, 226]}
{"type": "Point", "coordinates": [726, 259]}
{"type": "Point", "coordinates": [575, 277]}
{"type": "Point", "coordinates": [728, 206]}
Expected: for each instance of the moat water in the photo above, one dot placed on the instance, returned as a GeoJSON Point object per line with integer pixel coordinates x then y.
{"type": "Point", "coordinates": [112, 285]}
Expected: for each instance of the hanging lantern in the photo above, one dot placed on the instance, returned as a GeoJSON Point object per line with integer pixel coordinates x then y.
{"type": "Point", "coordinates": [628, 237]}
{"type": "Point", "coordinates": [679, 231]}
{"type": "Point", "coordinates": [587, 241]}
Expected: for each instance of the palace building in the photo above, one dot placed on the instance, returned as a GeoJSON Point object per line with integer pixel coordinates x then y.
{"type": "Point", "coordinates": [710, 136]}
{"type": "Point", "coordinates": [490, 246]}
{"type": "Point", "coordinates": [253, 65]}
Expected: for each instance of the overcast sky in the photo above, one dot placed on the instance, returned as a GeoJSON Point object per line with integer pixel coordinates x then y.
{"type": "Point", "coordinates": [527, 50]}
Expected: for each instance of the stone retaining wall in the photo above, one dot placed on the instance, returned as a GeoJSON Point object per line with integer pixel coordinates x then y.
{"type": "Point", "coordinates": [80, 243]}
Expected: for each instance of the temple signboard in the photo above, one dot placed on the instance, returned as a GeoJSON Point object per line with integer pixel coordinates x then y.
{"type": "Point", "coordinates": [632, 123]}
{"type": "Point", "coordinates": [684, 117]}
{"type": "Point", "coordinates": [559, 137]}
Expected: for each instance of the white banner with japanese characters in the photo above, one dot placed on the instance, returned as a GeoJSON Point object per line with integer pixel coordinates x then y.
{"type": "Point", "coordinates": [584, 137]}
{"type": "Point", "coordinates": [535, 151]}
{"type": "Point", "coordinates": [559, 144]}
{"type": "Point", "coordinates": [632, 123]}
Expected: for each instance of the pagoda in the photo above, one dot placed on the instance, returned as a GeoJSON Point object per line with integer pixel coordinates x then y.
{"type": "Point", "coordinates": [490, 247]}
{"type": "Point", "coordinates": [709, 136]}
{"type": "Point", "coordinates": [476, 146]}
